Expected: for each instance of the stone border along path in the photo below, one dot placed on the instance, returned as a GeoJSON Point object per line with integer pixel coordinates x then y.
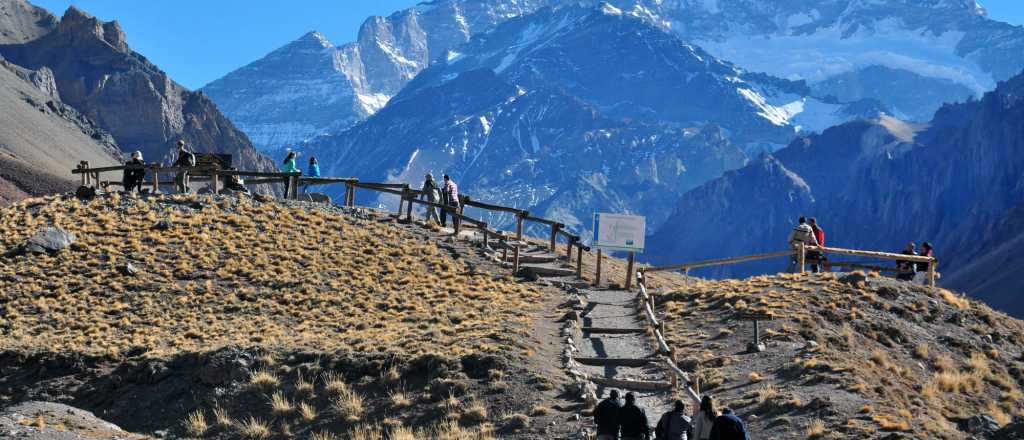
{"type": "Point", "coordinates": [607, 344]}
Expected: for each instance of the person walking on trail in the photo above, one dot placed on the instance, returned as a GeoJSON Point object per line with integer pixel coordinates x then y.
{"type": "Point", "coordinates": [801, 233]}
{"type": "Point", "coordinates": [449, 197]}
{"type": "Point", "coordinates": [432, 194]}
{"type": "Point", "coordinates": [133, 178]}
{"type": "Point", "coordinates": [904, 268]}
{"type": "Point", "coordinates": [314, 171]}
{"type": "Point", "coordinates": [606, 417]}
{"type": "Point", "coordinates": [185, 160]}
{"type": "Point", "coordinates": [675, 424]}
{"type": "Point", "coordinates": [728, 427]}
{"type": "Point", "coordinates": [817, 257]}
{"type": "Point", "coordinates": [704, 419]}
{"type": "Point", "coordinates": [633, 421]}
{"type": "Point", "coordinates": [290, 167]}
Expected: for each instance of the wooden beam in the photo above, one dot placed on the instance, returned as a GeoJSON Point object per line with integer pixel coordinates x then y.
{"type": "Point", "coordinates": [873, 254]}
{"type": "Point", "coordinates": [597, 275]}
{"type": "Point", "coordinates": [629, 270]}
{"type": "Point", "coordinates": [720, 261]}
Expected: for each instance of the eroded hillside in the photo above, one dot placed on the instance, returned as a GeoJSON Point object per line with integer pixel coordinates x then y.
{"type": "Point", "coordinates": [241, 318]}
{"type": "Point", "coordinates": [848, 355]}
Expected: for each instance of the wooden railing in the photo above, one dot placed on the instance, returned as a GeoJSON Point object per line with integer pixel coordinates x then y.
{"type": "Point", "coordinates": [800, 254]}
{"type": "Point", "coordinates": [408, 198]}
{"type": "Point", "coordinates": [667, 354]}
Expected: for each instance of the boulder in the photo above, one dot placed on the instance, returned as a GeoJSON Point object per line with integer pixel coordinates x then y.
{"type": "Point", "coordinates": [50, 241]}
{"type": "Point", "coordinates": [55, 421]}
{"type": "Point", "coordinates": [225, 366]}
{"type": "Point", "coordinates": [316, 198]}
{"type": "Point", "coordinates": [979, 425]}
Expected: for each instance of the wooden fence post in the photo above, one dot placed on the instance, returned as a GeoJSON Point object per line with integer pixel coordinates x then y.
{"type": "Point", "coordinates": [408, 209]}
{"type": "Point", "coordinates": [597, 274]}
{"type": "Point", "coordinates": [519, 226]}
{"type": "Point", "coordinates": [87, 174]}
{"type": "Point", "coordinates": [931, 272]}
{"type": "Point", "coordinates": [515, 260]}
{"type": "Point", "coordinates": [568, 250]}
{"type": "Point", "coordinates": [156, 180]}
{"type": "Point", "coordinates": [214, 181]}
{"type": "Point", "coordinates": [672, 357]}
{"type": "Point", "coordinates": [486, 233]}
{"type": "Point", "coordinates": [579, 261]}
{"type": "Point", "coordinates": [554, 236]}
{"type": "Point", "coordinates": [82, 176]}
{"type": "Point", "coordinates": [629, 270]}
{"type": "Point", "coordinates": [801, 257]}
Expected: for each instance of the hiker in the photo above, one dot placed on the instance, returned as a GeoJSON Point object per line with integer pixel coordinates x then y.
{"type": "Point", "coordinates": [926, 251]}
{"type": "Point", "coordinates": [314, 171]}
{"type": "Point", "coordinates": [606, 417]}
{"type": "Point", "coordinates": [235, 183]}
{"type": "Point", "coordinates": [802, 233]}
{"type": "Point", "coordinates": [185, 160]}
{"type": "Point", "coordinates": [704, 419]}
{"type": "Point", "coordinates": [633, 420]}
{"type": "Point", "coordinates": [432, 194]}
{"type": "Point", "coordinates": [817, 258]}
{"type": "Point", "coordinates": [291, 168]}
{"type": "Point", "coordinates": [449, 197]}
{"type": "Point", "coordinates": [728, 427]}
{"type": "Point", "coordinates": [675, 424]}
{"type": "Point", "coordinates": [133, 178]}
{"type": "Point", "coordinates": [905, 269]}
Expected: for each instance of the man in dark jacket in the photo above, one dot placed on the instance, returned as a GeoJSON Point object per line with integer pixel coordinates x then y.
{"type": "Point", "coordinates": [606, 417]}
{"type": "Point", "coordinates": [633, 421]}
{"type": "Point", "coordinates": [133, 178]}
{"type": "Point", "coordinates": [675, 424]}
{"type": "Point", "coordinates": [728, 427]}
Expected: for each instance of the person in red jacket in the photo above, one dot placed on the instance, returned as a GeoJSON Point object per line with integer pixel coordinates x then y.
{"type": "Point", "coordinates": [818, 258]}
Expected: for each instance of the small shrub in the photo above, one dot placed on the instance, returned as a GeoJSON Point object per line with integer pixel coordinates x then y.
{"type": "Point", "coordinates": [348, 406]}
{"type": "Point", "coordinates": [195, 424]}
{"type": "Point", "coordinates": [307, 412]}
{"type": "Point", "coordinates": [515, 422]}
{"type": "Point", "coordinates": [476, 413]}
{"type": "Point", "coordinates": [754, 377]}
{"type": "Point", "coordinates": [280, 404]}
{"type": "Point", "coordinates": [816, 429]}
{"type": "Point", "coordinates": [264, 379]}
{"type": "Point", "coordinates": [255, 429]}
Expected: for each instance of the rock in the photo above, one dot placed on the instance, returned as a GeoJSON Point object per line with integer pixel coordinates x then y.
{"type": "Point", "coordinates": [979, 425]}
{"type": "Point", "coordinates": [811, 345]}
{"type": "Point", "coordinates": [62, 422]}
{"type": "Point", "coordinates": [225, 366]}
{"type": "Point", "coordinates": [127, 269]}
{"type": "Point", "coordinates": [756, 348]}
{"type": "Point", "coordinates": [316, 198]}
{"type": "Point", "coordinates": [162, 225]}
{"type": "Point", "coordinates": [853, 278]}
{"type": "Point", "coordinates": [85, 193]}
{"type": "Point", "coordinates": [50, 241]}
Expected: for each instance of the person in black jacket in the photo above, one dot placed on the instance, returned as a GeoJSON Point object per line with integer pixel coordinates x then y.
{"type": "Point", "coordinates": [606, 417]}
{"type": "Point", "coordinates": [728, 427]}
{"type": "Point", "coordinates": [133, 178]}
{"type": "Point", "coordinates": [633, 421]}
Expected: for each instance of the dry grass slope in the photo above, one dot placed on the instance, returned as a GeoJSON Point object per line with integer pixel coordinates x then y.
{"type": "Point", "coordinates": [887, 356]}
{"type": "Point", "coordinates": [239, 272]}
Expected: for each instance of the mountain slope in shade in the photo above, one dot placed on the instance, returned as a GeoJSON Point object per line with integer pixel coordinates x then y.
{"type": "Point", "coordinates": [21, 22]}
{"type": "Point", "coordinates": [877, 185]}
{"type": "Point", "coordinates": [41, 138]}
{"type": "Point", "coordinates": [515, 126]}
{"type": "Point", "coordinates": [311, 87]}
{"type": "Point", "coordinates": [98, 74]}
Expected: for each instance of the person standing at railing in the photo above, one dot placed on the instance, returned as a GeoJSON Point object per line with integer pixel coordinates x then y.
{"type": "Point", "coordinates": [817, 257]}
{"type": "Point", "coordinates": [133, 177]}
{"type": "Point", "coordinates": [801, 233]}
{"type": "Point", "coordinates": [432, 194]}
{"type": "Point", "coordinates": [185, 160]}
{"type": "Point", "coordinates": [905, 268]}
{"type": "Point", "coordinates": [291, 168]}
{"type": "Point", "coordinates": [450, 197]}
{"type": "Point", "coordinates": [314, 171]}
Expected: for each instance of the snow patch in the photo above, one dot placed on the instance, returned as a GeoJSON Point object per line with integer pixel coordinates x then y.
{"type": "Point", "coordinates": [372, 103]}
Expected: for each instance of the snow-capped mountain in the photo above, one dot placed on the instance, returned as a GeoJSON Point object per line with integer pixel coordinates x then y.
{"type": "Point", "coordinates": [908, 55]}
{"type": "Point", "coordinates": [571, 110]}
{"type": "Point", "coordinates": [940, 40]}
{"type": "Point", "coordinates": [311, 87]}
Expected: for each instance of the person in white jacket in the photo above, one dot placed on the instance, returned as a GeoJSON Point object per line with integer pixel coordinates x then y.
{"type": "Point", "coordinates": [801, 233]}
{"type": "Point", "coordinates": [704, 419]}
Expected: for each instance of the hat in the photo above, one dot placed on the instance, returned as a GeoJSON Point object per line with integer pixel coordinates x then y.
{"type": "Point", "coordinates": [137, 155]}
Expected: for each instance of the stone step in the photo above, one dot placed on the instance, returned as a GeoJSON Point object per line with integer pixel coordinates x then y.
{"type": "Point", "coordinates": [641, 385]}
{"type": "Point", "coordinates": [533, 258]}
{"type": "Point", "coordinates": [548, 271]}
{"type": "Point", "coordinates": [612, 331]}
{"type": "Point", "coordinates": [613, 362]}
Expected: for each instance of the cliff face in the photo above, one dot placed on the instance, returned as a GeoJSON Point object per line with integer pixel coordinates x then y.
{"type": "Point", "coordinates": [97, 73]}
{"type": "Point", "coordinates": [880, 184]}
{"type": "Point", "coordinates": [21, 22]}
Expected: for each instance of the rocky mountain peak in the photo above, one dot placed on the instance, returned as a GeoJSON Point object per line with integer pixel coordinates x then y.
{"type": "Point", "coordinates": [313, 39]}
{"type": "Point", "coordinates": [80, 27]}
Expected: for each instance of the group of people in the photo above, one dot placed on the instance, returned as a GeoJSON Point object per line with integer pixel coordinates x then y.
{"type": "Point", "coordinates": [133, 177]}
{"type": "Point", "coordinates": [291, 166]}
{"type": "Point", "coordinates": [447, 195]}
{"type": "Point", "coordinates": [628, 421]}
{"type": "Point", "coordinates": [908, 270]}
{"type": "Point", "coordinates": [810, 234]}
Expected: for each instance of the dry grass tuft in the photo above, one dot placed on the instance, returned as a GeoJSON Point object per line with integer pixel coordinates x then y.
{"type": "Point", "coordinates": [195, 424]}
{"type": "Point", "coordinates": [264, 379]}
{"type": "Point", "coordinates": [307, 412]}
{"type": "Point", "coordinates": [222, 419]}
{"type": "Point", "coordinates": [280, 405]}
{"type": "Point", "coordinates": [816, 429]}
{"type": "Point", "coordinates": [754, 377]}
{"type": "Point", "coordinates": [253, 428]}
{"type": "Point", "coordinates": [349, 406]}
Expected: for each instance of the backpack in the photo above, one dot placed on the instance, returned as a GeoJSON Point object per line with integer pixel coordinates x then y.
{"type": "Point", "coordinates": [190, 159]}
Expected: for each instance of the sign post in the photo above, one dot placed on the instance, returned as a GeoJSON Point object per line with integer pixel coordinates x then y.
{"type": "Point", "coordinates": [618, 232]}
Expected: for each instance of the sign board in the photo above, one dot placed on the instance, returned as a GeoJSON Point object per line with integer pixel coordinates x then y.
{"type": "Point", "coordinates": [617, 232]}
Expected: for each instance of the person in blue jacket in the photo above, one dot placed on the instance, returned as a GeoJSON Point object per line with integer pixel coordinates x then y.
{"type": "Point", "coordinates": [314, 171]}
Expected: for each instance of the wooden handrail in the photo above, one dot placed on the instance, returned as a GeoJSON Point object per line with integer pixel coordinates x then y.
{"type": "Point", "coordinates": [469, 202]}
{"type": "Point", "coordinates": [718, 262]}
{"type": "Point", "coordinates": [872, 254]}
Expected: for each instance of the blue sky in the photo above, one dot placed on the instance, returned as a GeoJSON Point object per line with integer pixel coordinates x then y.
{"type": "Point", "coordinates": [198, 41]}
